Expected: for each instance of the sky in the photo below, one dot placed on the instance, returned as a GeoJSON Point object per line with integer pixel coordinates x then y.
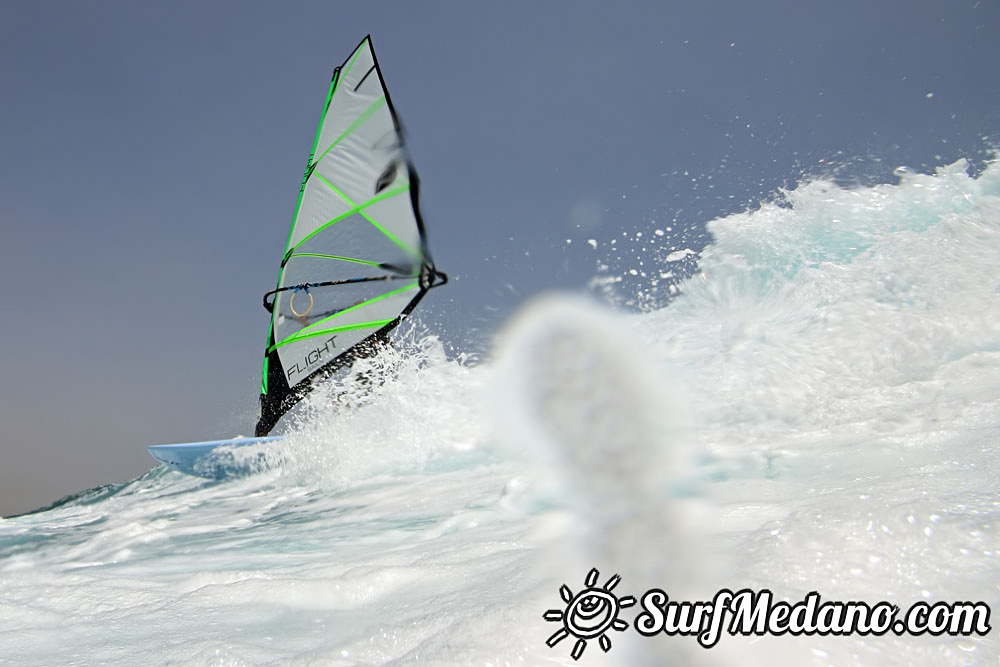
{"type": "Point", "coordinates": [151, 155]}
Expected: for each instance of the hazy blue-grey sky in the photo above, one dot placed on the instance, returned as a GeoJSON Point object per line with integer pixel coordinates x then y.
{"type": "Point", "coordinates": [151, 153]}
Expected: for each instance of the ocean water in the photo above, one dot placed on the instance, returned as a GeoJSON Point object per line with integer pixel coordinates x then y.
{"type": "Point", "coordinates": [817, 410]}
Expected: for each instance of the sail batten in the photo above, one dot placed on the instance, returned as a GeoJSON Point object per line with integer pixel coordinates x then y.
{"type": "Point", "coordinates": [354, 235]}
{"type": "Point", "coordinates": [337, 257]}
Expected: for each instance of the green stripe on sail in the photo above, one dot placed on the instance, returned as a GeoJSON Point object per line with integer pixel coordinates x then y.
{"type": "Point", "coordinates": [367, 217]}
{"type": "Point", "coordinates": [263, 374]}
{"type": "Point", "coordinates": [365, 115]}
{"type": "Point", "coordinates": [334, 80]}
{"type": "Point", "coordinates": [376, 324]}
{"type": "Point", "coordinates": [309, 165]}
{"type": "Point", "coordinates": [357, 53]}
{"type": "Point", "coordinates": [354, 209]}
{"type": "Point", "coordinates": [313, 329]}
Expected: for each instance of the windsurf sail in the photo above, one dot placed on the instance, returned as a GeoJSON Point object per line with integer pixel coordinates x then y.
{"type": "Point", "coordinates": [356, 261]}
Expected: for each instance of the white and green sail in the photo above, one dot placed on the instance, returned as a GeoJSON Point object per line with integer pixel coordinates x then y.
{"type": "Point", "coordinates": [356, 261]}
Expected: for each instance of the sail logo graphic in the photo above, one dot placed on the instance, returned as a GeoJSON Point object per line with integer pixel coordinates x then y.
{"type": "Point", "coordinates": [312, 358]}
{"type": "Point", "coordinates": [589, 614]}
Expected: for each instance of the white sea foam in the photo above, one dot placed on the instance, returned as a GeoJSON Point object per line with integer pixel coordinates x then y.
{"type": "Point", "coordinates": [816, 411]}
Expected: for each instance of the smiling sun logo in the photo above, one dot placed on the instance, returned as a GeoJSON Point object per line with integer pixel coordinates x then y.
{"type": "Point", "coordinates": [589, 614]}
